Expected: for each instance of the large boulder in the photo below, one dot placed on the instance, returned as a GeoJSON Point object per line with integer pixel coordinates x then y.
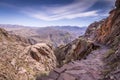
{"type": "Point", "coordinates": [43, 53]}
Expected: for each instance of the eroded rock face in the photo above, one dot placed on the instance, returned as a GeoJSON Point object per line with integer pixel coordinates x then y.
{"type": "Point", "coordinates": [21, 61]}
{"type": "Point", "coordinates": [76, 50]}
{"type": "Point", "coordinates": [92, 29]}
{"type": "Point", "coordinates": [43, 52]}
{"type": "Point", "coordinates": [109, 32]}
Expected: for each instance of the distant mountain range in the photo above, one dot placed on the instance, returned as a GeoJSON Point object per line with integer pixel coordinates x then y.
{"type": "Point", "coordinates": [57, 35]}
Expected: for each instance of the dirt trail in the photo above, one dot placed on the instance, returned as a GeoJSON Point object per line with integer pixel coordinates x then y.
{"type": "Point", "coordinates": [86, 69]}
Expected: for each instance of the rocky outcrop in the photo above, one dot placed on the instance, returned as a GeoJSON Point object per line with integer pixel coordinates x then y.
{"type": "Point", "coordinates": [4, 35]}
{"type": "Point", "coordinates": [76, 50]}
{"type": "Point", "coordinates": [109, 32]}
{"type": "Point", "coordinates": [92, 29]}
{"type": "Point", "coordinates": [43, 53]}
{"type": "Point", "coordinates": [21, 61]}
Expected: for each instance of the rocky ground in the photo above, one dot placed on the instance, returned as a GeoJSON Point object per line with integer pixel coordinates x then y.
{"type": "Point", "coordinates": [22, 61]}
{"type": "Point", "coordinates": [85, 69]}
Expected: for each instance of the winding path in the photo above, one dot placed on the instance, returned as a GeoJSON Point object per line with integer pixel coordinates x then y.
{"type": "Point", "coordinates": [86, 69]}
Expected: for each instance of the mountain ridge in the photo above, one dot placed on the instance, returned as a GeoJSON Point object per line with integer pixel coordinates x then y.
{"type": "Point", "coordinates": [55, 35]}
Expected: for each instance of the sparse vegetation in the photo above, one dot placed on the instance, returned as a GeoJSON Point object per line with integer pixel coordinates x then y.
{"type": "Point", "coordinates": [109, 53]}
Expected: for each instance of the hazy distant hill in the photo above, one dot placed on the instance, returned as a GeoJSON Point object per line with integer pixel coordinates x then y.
{"type": "Point", "coordinates": [73, 29]}
{"type": "Point", "coordinates": [57, 35]}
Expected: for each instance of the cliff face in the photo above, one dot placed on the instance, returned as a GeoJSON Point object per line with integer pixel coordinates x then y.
{"type": "Point", "coordinates": [92, 29]}
{"type": "Point", "coordinates": [109, 32]}
{"type": "Point", "coordinates": [22, 61]}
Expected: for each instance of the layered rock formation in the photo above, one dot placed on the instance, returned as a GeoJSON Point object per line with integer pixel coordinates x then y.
{"type": "Point", "coordinates": [76, 50]}
{"type": "Point", "coordinates": [91, 31]}
{"type": "Point", "coordinates": [21, 61]}
{"type": "Point", "coordinates": [109, 32]}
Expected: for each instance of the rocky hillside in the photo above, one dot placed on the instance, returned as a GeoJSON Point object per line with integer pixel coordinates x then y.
{"type": "Point", "coordinates": [95, 56]}
{"type": "Point", "coordinates": [22, 61]}
{"type": "Point", "coordinates": [109, 34]}
{"type": "Point", "coordinates": [76, 50]}
{"type": "Point", "coordinates": [91, 31]}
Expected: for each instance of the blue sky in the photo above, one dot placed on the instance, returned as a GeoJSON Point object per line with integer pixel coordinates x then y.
{"type": "Point", "coordinates": [53, 12]}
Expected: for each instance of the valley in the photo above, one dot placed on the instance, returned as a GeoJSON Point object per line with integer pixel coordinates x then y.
{"type": "Point", "coordinates": [56, 35]}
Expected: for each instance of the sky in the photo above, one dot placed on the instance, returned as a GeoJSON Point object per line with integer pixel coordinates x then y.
{"type": "Point", "coordinates": [41, 13]}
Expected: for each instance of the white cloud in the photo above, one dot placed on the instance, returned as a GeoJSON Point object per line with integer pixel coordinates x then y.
{"type": "Point", "coordinates": [74, 10]}
{"type": "Point", "coordinates": [58, 17]}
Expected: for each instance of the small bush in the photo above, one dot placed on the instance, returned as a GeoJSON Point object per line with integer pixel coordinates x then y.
{"type": "Point", "coordinates": [109, 53]}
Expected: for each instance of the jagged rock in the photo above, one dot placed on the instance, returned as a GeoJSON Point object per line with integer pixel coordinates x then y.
{"type": "Point", "coordinates": [43, 52]}
{"type": "Point", "coordinates": [78, 49]}
{"type": "Point", "coordinates": [109, 32]}
{"type": "Point", "coordinates": [117, 4]}
{"type": "Point", "coordinates": [91, 31]}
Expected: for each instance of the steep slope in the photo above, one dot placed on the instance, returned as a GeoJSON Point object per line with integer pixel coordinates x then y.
{"type": "Point", "coordinates": [5, 36]}
{"type": "Point", "coordinates": [22, 61]}
{"type": "Point", "coordinates": [109, 34]}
